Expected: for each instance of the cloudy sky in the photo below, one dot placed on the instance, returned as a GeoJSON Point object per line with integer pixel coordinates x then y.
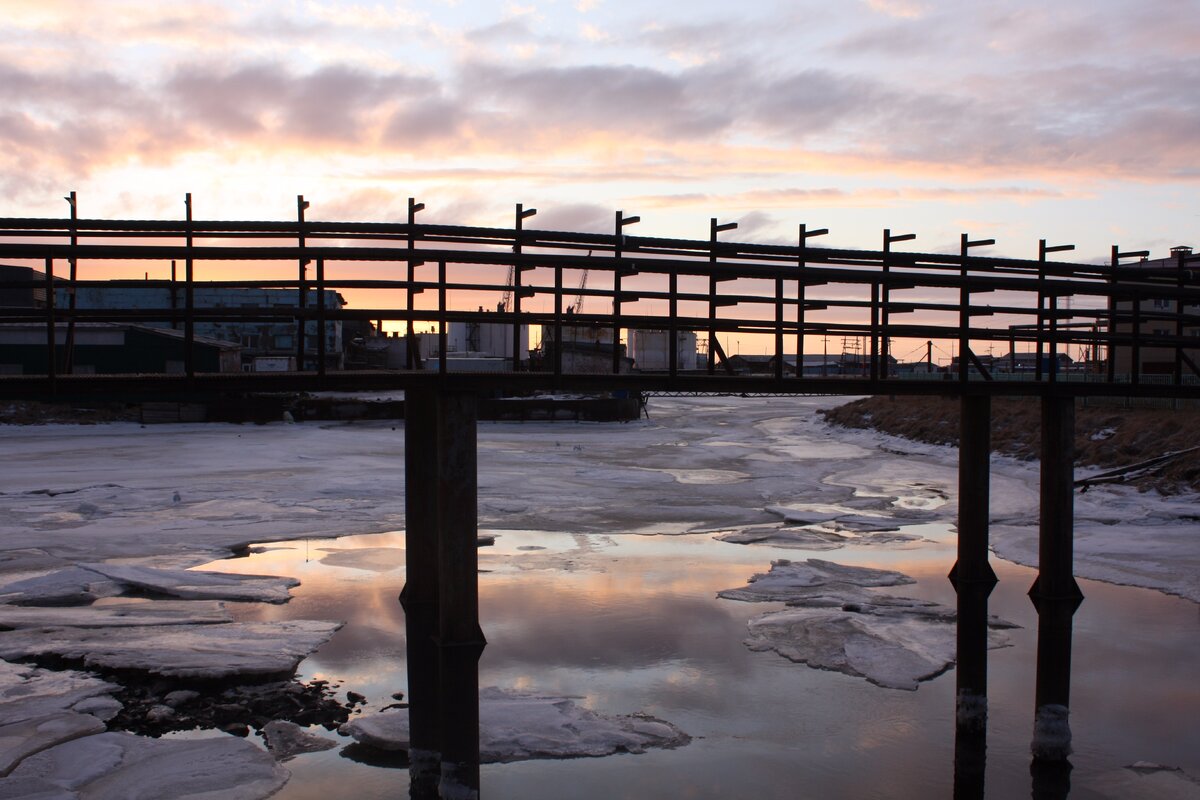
{"type": "Point", "coordinates": [1077, 120]}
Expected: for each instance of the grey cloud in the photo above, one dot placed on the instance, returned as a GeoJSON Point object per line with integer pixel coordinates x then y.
{"type": "Point", "coordinates": [419, 122]}
{"type": "Point", "coordinates": [611, 98]}
{"type": "Point", "coordinates": [586, 217]}
{"type": "Point", "coordinates": [323, 105]}
{"type": "Point", "coordinates": [511, 30]}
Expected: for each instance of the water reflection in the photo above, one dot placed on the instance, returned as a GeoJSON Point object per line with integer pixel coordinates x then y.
{"type": "Point", "coordinates": [631, 623]}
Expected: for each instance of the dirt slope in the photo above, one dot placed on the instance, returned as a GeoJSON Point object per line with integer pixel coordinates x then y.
{"type": "Point", "coordinates": [1104, 437]}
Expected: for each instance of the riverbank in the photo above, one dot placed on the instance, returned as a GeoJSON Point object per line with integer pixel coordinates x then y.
{"type": "Point", "coordinates": [1105, 438]}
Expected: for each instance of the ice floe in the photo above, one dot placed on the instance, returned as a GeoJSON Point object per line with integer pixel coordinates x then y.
{"type": "Point", "coordinates": [28, 692]}
{"type": "Point", "coordinates": [116, 614]}
{"type": "Point", "coordinates": [515, 726]}
{"type": "Point", "coordinates": [41, 708]}
{"type": "Point", "coordinates": [1147, 779]}
{"type": "Point", "coordinates": [120, 766]}
{"type": "Point", "coordinates": [834, 622]}
{"type": "Point", "coordinates": [286, 740]}
{"type": "Point", "coordinates": [190, 584]}
{"type": "Point", "coordinates": [62, 587]}
{"type": "Point", "coordinates": [182, 651]}
{"type": "Point", "coordinates": [810, 579]}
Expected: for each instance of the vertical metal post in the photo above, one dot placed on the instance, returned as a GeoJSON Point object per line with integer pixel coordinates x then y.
{"type": "Point", "coordinates": [51, 333]}
{"type": "Point", "coordinates": [1054, 593]}
{"type": "Point", "coordinates": [885, 319]}
{"type": "Point", "coordinates": [410, 331]}
{"type": "Point", "coordinates": [420, 595]}
{"type": "Point", "coordinates": [460, 639]}
{"type": "Point", "coordinates": [1135, 361]}
{"type": "Point", "coordinates": [964, 307]}
{"type": "Point", "coordinates": [522, 215]}
{"type": "Point", "coordinates": [1112, 316]}
{"type": "Point", "coordinates": [321, 336]}
{"type": "Point", "coordinates": [558, 326]}
{"type": "Point", "coordinates": [672, 320]}
{"type": "Point", "coordinates": [302, 289]}
{"type": "Point", "coordinates": [712, 298]}
{"type": "Point", "coordinates": [189, 295]}
{"type": "Point", "coordinates": [1179, 284]}
{"type": "Point", "coordinates": [972, 575]}
{"type": "Point", "coordinates": [964, 313]}
{"type": "Point", "coordinates": [1053, 310]}
{"type": "Point", "coordinates": [713, 230]}
{"type": "Point", "coordinates": [618, 269]}
{"type": "Point", "coordinates": [801, 264]}
{"type": "Point", "coordinates": [779, 328]}
{"type": "Point", "coordinates": [69, 358]}
{"type": "Point", "coordinates": [1041, 305]}
{"type": "Point", "coordinates": [174, 299]}
{"type": "Point", "coordinates": [442, 365]}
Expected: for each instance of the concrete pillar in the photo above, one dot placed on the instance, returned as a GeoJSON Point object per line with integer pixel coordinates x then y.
{"type": "Point", "coordinates": [1055, 594]}
{"type": "Point", "coordinates": [420, 595]}
{"type": "Point", "coordinates": [972, 575]}
{"type": "Point", "coordinates": [460, 639]}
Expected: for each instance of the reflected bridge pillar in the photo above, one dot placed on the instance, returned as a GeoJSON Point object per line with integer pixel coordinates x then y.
{"type": "Point", "coordinates": [441, 597]}
{"type": "Point", "coordinates": [1054, 593]}
{"type": "Point", "coordinates": [973, 581]}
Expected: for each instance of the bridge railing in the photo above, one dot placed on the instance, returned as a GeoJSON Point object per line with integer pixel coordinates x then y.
{"type": "Point", "coordinates": [782, 302]}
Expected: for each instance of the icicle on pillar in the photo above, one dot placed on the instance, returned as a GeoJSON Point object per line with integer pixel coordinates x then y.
{"type": "Point", "coordinates": [973, 581]}
{"type": "Point", "coordinates": [460, 639]}
{"type": "Point", "coordinates": [1055, 594]}
{"type": "Point", "coordinates": [420, 595]}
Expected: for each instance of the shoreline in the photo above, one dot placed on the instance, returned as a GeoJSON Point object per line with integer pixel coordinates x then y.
{"type": "Point", "coordinates": [1105, 438]}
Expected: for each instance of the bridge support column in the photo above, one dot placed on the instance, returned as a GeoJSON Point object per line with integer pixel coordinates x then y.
{"type": "Point", "coordinates": [440, 597]}
{"type": "Point", "coordinates": [420, 595]}
{"type": "Point", "coordinates": [460, 639]}
{"type": "Point", "coordinates": [973, 581]}
{"type": "Point", "coordinates": [1054, 593]}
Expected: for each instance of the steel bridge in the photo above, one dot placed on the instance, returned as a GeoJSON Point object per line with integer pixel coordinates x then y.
{"type": "Point", "coordinates": [785, 295]}
{"type": "Point", "coordinates": [781, 297]}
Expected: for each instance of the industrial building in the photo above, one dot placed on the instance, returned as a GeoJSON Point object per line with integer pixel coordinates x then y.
{"type": "Point", "coordinates": [267, 338]}
{"type": "Point", "coordinates": [101, 348]}
{"type": "Point", "coordinates": [651, 350]}
{"type": "Point", "coordinates": [1156, 317]}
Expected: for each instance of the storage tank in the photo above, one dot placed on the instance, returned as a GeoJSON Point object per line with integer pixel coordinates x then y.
{"type": "Point", "coordinates": [485, 338]}
{"type": "Point", "coordinates": [652, 349]}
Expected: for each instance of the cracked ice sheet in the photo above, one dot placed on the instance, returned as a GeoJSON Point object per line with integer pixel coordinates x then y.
{"type": "Point", "coordinates": [199, 585]}
{"type": "Point", "coordinates": [41, 708]}
{"type": "Point", "coordinates": [1145, 779]}
{"type": "Point", "coordinates": [116, 614]}
{"type": "Point", "coordinates": [118, 766]}
{"type": "Point", "coordinates": [1122, 536]}
{"type": "Point", "coordinates": [30, 692]}
{"type": "Point", "coordinates": [515, 726]}
{"type": "Point", "coordinates": [833, 622]}
{"type": "Point", "coordinates": [183, 651]}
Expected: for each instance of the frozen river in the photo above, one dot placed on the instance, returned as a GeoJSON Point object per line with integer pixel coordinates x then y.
{"type": "Point", "coordinates": [612, 544]}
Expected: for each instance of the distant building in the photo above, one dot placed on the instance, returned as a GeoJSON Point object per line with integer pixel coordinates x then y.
{"type": "Point", "coordinates": [266, 337]}
{"type": "Point", "coordinates": [1017, 363]}
{"type": "Point", "coordinates": [106, 348]}
{"type": "Point", "coordinates": [1157, 317]}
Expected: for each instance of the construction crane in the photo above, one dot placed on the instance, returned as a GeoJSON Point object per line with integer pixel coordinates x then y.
{"type": "Point", "coordinates": [578, 304]}
{"type": "Point", "coordinates": [506, 298]}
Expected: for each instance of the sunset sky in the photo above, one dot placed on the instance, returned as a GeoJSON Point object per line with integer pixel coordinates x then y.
{"type": "Point", "coordinates": [1074, 121]}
